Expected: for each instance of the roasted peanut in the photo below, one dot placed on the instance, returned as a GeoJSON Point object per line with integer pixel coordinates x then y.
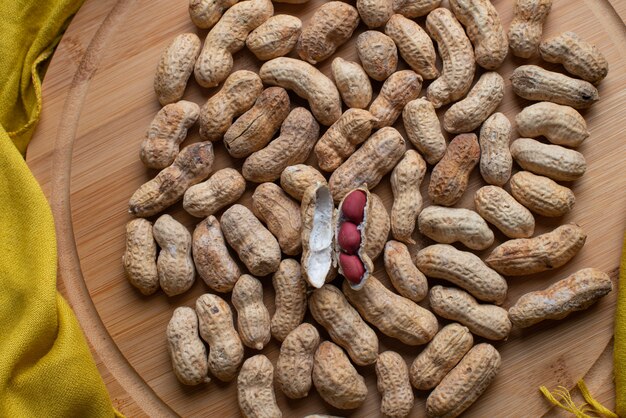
{"type": "Point", "coordinates": [189, 357]}
{"type": "Point", "coordinates": [400, 88]}
{"type": "Point", "coordinates": [255, 389]}
{"type": "Point", "coordinates": [500, 209]}
{"type": "Point", "coordinates": [174, 264]}
{"type": "Point", "coordinates": [140, 256]}
{"type": "Point", "coordinates": [224, 187]}
{"type": "Point", "coordinates": [457, 56]}
{"type": "Point", "coordinates": [406, 179]}
{"type": "Point", "coordinates": [211, 256]}
{"type": "Point", "coordinates": [448, 225]}
{"type": "Point", "coordinates": [375, 13]}
{"type": "Point", "coordinates": [307, 82]}
{"type": "Point", "coordinates": [488, 321]}
{"type": "Point", "coordinates": [533, 255]}
{"type": "Point", "coordinates": [465, 383]}
{"type": "Point", "coordinates": [541, 195]}
{"type": "Point", "coordinates": [423, 129]}
{"type": "Point", "coordinates": [298, 135]}
{"type": "Point", "coordinates": [352, 82]}
{"type": "Point", "coordinates": [392, 376]}
{"type": "Point", "coordinates": [330, 27]}
{"type": "Point", "coordinates": [496, 161]}
{"type": "Point", "coordinates": [175, 67]}
{"type": "Point", "coordinates": [552, 161]}
{"type": "Point", "coordinates": [440, 356]}
{"type": "Point", "coordinates": [253, 319]}
{"type": "Point", "coordinates": [281, 215]}
{"type": "Point", "coordinates": [392, 314]}
{"type": "Point", "coordinates": [255, 245]}
{"type": "Point", "coordinates": [216, 328]}
{"type": "Point", "coordinates": [534, 83]}
{"type": "Point", "coordinates": [378, 54]}
{"type": "Point", "coordinates": [579, 57]}
{"type": "Point", "coordinates": [414, 45]}
{"type": "Point", "coordinates": [295, 361]}
{"type": "Point", "coordinates": [464, 269]}
{"type": "Point", "coordinates": [192, 165]}
{"type": "Point", "coordinates": [256, 128]}
{"type": "Point", "coordinates": [276, 37]}
{"type": "Point", "coordinates": [238, 94]}
{"type": "Point", "coordinates": [414, 8]}
{"type": "Point", "coordinates": [481, 101]}
{"type": "Point", "coordinates": [576, 292]}
{"type": "Point", "coordinates": [377, 231]}
{"type": "Point", "coordinates": [403, 274]}
{"type": "Point", "coordinates": [290, 298]}
{"type": "Point", "coordinates": [205, 13]}
{"type": "Point", "coordinates": [167, 130]}
{"type": "Point", "coordinates": [561, 125]}
{"type": "Point", "coordinates": [450, 176]}
{"type": "Point", "coordinates": [295, 179]}
{"type": "Point", "coordinates": [335, 379]}
{"type": "Point", "coordinates": [227, 37]}
{"type": "Point", "coordinates": [527, 26]}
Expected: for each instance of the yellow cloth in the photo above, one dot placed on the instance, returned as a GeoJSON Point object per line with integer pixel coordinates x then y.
{"type": "Point", "coordinates": [619, 348]}
{"type": "Point", "coordinates": [46, 369]}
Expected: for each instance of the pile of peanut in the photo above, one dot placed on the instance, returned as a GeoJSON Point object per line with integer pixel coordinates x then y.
{"type": "Point", "coordinates": [310, 225]}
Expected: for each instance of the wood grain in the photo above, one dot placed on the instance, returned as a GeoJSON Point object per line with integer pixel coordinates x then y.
{"type": "Point", "coordinates": [99, 101]}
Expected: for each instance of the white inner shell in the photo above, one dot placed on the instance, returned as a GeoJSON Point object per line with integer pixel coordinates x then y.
{"type": "Point", "coordinates": [321, 238]}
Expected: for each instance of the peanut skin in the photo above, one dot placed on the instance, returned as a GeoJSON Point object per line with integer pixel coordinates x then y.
{"type": "Point", "coordinates": [139, 259]}
{"type": "Point", "coordinates": [541, 195]}
{"type": "Point", "coordinates": [400, 88]}
{"type": "Point", "coordinates": [353, 83]}
{"type": "Point", "coordinates": [406, 179]}
{"type": "Point", "coordinates": [295, 361]}
{"type": "Point", "coordinates": [175, 264]}
{"type": "Point", "coordinates": [561, 125]}
{"type": "Point", "coordinates": [224, 187]}
{"type": "Point", "coordinates": [392, 377]}
{"type": "Point", "coordinates": [415, 47]}
{"type": "Point", "coordinates": [500, 209]}
{"type": "Point", "coordinates": [423, 130]}
{"type": "Point", "coordinates": [449, 225]}
{"type": "Point", "coordinates": [253, 319]}
{"type": "Point", "coordinates": [255, 389]}
{"type": "Point", "coordinates": [378, 54]}
{"type": "Point", "coordinates": [175, 67]}
{"type": "Point", "coordinates": [290, 298]}
{"type": "Point", "coordinates": [579, 57]}
{"type": "Point", "coordinates": [527, 26]}
{"type": "Point", "coordinates": [403, 274]}
{"type": "Point", "coordinates": [274, 38]}
{"type": "Point", "coordinates": [189, 357]}
{"type": "Point", "coordinates": [496, 161]}
{"type": "Point", "coordinates": [206, 13]}
{"type": "Point", "coordinates": [552, 161]}
{"type": "Point", "coordinates": [295, 179]}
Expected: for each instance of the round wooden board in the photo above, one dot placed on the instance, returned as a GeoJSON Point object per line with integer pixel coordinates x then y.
{"type": "Point", "coordinates": [99, 102]}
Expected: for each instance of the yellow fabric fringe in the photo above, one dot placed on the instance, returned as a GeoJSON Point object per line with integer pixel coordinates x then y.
{"type": "Point", "coordinates": [590, 409]}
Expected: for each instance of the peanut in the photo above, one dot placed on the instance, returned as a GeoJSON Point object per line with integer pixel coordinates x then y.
{"type": "Point", "coordinates": [552, 161]}
{"type": "Point", "coordinates": [256, 246]}
{"type": "Point", "coordinates": [465, 383]}
{"type": "Point", "coordinates": [307, 82]}
{"type": "Point", "coordinates": [375, 13]}
{"type": "Point", "coordinates": [255, 389]}
{"type": "Point", "coordinates": [561, 125]}
{"type": "Point", "coordinates": [189, 357]}
{"type": "Point", "coordinates": [139, 258]}
{"type": "Point", "coordinates": [281, 215]}
{"type": "Point", "coordinates": [290, 298]}
{"type": "Point", "coordinates": [253, 319]}
{"type": "Point", "coordinates": [342, 138]}
{"type": "Point", "coordinates": [400, 88]}
{"type": "Point", "coordinates": [534, 83]}
{"type": "Point", "coordinates": [217, 329]}
{"type": "Point", "coordinates": [576, 292]}
{"type": "Point", "coordinates": [448, 225]}
{"type": "Point", "coordinates": [440, 356]}
{"type": "Point", "coordinates": [414, 44]}
{"type": "Point", "coordinates": [423, 130]}
{"type": "Point", "coordinates": [464, 269]}
{"type": "Point", "coordinates": [403, 274]}
{"type": "Point", "coordinates": [457, 57]}
{"type": "Point", "coordinates": [501, 210]}
{"type": "Point", "coordinates": [496, 161]}
{"type": "Point", "coordinates": [392, 376]}
{"type": "Point", "coordinates": [167, 130]}
{"type": "Point", "coordinates": [227, 37]}
{"type": "Point", "coordinates": [533, 255]}
{"type": "Point", "coordinates": [274, 38]}
{"type": "Point", "coordinates": [406, 179]}
{"type": "Point", "coordinates": [392, 314]}
{"type": "Point", "coordinates": [414, 8]}
{"type": "Point", "coordinates": [295, 179]}
{"type": "Point", "coordinates": [527, 26]}
{"type": "Point", "coordinates": [481, 101]}
{"type": "Point", "coordinates": [541, 195]}
{"type": "Point", "coordinates": [488, 321]}
{"type": "Point", "coordinates": [295, 361]}
{"type": "Point", "coordinates": [174, 264]}
{"type": "Point", "coordinates": [331, 26]}
{"type": "Point", "coordinates": [211, 256]}
{"type": "Point", "coordinates": [192, 165]}
{"type": "Point", "coordinates": [298, 135]}
{"type": "Point", "coordinates": [224, 187]}
{"type": "Point", "coordinates": [331, 310]}
{"type": "Point", "coordinates": [378, 54]}
{"type": "Point", "coordinates": [206, 13]}
{"type": "Point", "coordinates": [238, 94]}
{"type": "Point", "coordinates": [352, 82]}
{"type": "Point", "coordinates": [450, 176]}
{"type": "Point", "coordinates": [256, 128]}
{"type": "Point", "coordinates": [378, 226]}
{"type": "Point", "coordinates": [335, 379]}
{"type": "Point", "coordinates": [175, 67]}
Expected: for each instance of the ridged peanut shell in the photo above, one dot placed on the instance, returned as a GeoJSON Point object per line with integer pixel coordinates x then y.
{"type": "Point", "coordinates": [206, 13]}
{"type": "Point", "coordinates": [276, 37]}
{"type": "Point", "coordinates": [449, 225]}
{"type": "Point", "coordinates": [561, 125]}
{"type": "Point", "coordinates": [175, 67]}
{"type": "Point", "coordinates": [406, 179]}
{"type": "Point", "coordinates": [403, 274]}
{"type": "Point", "coordinates": [552, 161]}
{"type": "Point", "coordinates": [527, 26]}
{"type": "Point", "coordinates": [295, 361]}
{"type": "Point", "coordinates": [295, 179]}
{"type": "Point", "coordinates": [392, 380]}
{"type": "Point", "coordinates": [352, 82]}
{"type": "Point", "coordinates": [414, 8]}
{"type": "Point", "coordinates": [253, 318]}
{"type": "Point", "coordinates": [224, 187]}
{"type": "Point", "coordinates": [496, 161]}
{"type": "Point", "coordinates": [290, 298]}
{"type": "Point", "coordinates": [423, 129]}
{"type": "Point", "coordinates": [140, 256]}
{"type": "Point", "coordinates": [542, 195]}
{"type": "Point", "coordinates": [255, 389]}
{"type": "Point", "coordinates": [378, 54]}
{"type": "Point", "coordinates": [398, 89]}
{"type": "Point", "coordinates": [414, 45]}
{"type": "Point", "coordinates": [175, 266]}
{"type": "Point", "coordinates": [375, 13]}
{"type": "Point", "coordinates": [188, 354]}
{"type": "Point", "coordinates": [500, 209]}
{"type": "Point", "coordinates": [578, 56]}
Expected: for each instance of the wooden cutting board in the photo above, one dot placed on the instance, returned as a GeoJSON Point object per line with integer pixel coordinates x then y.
{"type": "Point", "coordinates": [98, 103]}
